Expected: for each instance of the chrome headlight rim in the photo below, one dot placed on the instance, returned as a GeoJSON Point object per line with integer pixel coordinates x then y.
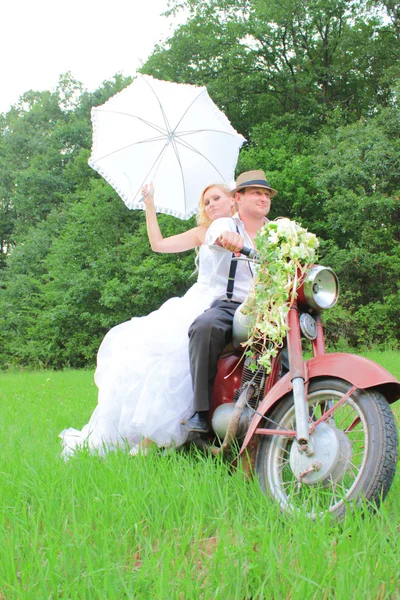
{"type": "Point", "coordinates": [316, 299]}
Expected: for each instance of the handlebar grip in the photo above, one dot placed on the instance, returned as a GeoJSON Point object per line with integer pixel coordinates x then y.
{"type": "Point", "coordinates": [250, 252]}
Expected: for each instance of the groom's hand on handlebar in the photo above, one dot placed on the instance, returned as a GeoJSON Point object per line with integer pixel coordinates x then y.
{"type": "Point", "coordinates": [232, 241]}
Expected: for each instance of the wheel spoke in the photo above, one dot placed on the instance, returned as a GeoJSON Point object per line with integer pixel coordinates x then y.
{"type": "Point", "coordinates": [353, 425]}
{"type": "Point", "coordinates": [361, 453]}
{"type": "Point", "coordinates": [286, 451]}
{"type": "Point", "coordinates": [297, 490]}
{"type": "Point", "coordinates": [353, 466]}
{"type": "Point", "coordinates": [355, 436]}
{"type": "Point", "coordinates": [286, 483]}
{"type": "Point", "coordinates": [282, 466]}
{"type": "Point", "coordinates": [345, 417]}
{"type": "Point", "coordinates": [333, 486]}
{"type": "Point", "coordinates": [334, 496]}
{"type": "Point", "coordinates": [343, 487]}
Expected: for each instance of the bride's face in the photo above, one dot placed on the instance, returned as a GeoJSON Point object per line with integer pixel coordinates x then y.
{"type": "Point", "coordinates": [217, 203]}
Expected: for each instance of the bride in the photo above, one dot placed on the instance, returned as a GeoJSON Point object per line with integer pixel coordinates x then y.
{"type": "Point", "coordinates": [143, 372]}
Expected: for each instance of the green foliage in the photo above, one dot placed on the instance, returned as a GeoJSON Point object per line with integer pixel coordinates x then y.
{"type": "Point", "coordinates": [343, 185]}
{"type": "Point", "coordinates": [92, 272]}
{"type": "Point", "coordinates": [358, 178]}
{"type": "Point", "coordinates": [266, 59]}
{"type": "Point", "coordinates": [313, 85]}
{"type": "Point", "coordinates": [76, 260]}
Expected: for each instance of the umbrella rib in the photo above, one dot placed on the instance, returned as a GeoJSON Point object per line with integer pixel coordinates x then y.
{"type": "Point", "coordinates": [181, 168]}
{"type": "Point", "coordinates": [169, 130]}
{"type": "Point", "coordinates": [158, 160]}
{"type": "Point", "coordinates": [145, 121]}
{"type": "Point", "coordinates": [156, 139]}
{"type": "Point", "coordinates": [193, 131]}
{"type": "Point", "coordinates": [189, 147]}
{"type": "Point", "coordinates": [188, 108]}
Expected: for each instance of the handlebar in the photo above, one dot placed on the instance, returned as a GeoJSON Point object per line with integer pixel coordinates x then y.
{"type": "Point", "coordinates": [250, 252]}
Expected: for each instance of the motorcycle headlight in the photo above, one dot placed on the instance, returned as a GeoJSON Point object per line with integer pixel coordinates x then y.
{"type": "Point", "coordinates": [321, 287]}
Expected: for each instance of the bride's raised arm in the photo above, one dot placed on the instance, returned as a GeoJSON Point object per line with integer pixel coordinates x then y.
{"type": "Point", "coordinates": [175, 243]}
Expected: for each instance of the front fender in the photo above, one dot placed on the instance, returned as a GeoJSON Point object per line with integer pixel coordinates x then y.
{"type": "Point", "coordinates": [357, 370]}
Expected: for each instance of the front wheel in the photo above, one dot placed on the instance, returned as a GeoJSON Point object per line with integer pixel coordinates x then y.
{"type": "Point", "coordinates": [354, 452]}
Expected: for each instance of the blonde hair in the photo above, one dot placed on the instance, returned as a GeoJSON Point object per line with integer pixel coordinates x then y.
{"type": "Point", "coordinates": [202, 219]}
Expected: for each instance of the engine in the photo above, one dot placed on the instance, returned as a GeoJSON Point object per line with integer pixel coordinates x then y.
{"type": "Point", "coordinates": [253, 383]}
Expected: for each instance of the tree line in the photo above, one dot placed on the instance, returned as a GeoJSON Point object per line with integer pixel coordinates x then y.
{"type": "Point", "coordinates": [312, 85]}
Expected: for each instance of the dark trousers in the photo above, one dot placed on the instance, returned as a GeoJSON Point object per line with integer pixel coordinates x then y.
{"type": "Point", "coordinates": [208, 336]}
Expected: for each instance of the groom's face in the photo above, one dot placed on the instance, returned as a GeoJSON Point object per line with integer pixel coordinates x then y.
{"type": "Point", "coordinates": [254, 202]}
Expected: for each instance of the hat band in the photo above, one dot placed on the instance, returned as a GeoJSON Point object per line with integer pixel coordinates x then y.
{"type": "Point", "coordinates": [255, 182]}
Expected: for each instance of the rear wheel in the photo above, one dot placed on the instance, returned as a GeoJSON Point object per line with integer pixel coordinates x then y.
{"type": "Point", "coordinates": [354, 457]}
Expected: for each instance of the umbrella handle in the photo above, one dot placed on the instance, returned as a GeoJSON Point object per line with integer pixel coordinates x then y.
{"type": "Point", "coordinates": [150, 190]}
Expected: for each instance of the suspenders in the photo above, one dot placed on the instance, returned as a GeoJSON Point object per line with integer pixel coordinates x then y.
{"type": "Point", "coordinates": [231, 276]}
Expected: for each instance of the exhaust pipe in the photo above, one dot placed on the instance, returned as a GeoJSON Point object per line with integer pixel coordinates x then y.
{"type": "Point", "coordinates": [234, 421]}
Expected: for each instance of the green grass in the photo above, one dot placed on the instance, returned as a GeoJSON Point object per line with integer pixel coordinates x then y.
{"type": "Point", "coordinates": [389, 359]}
{"type": "Point", "coordinates": [177, 526]}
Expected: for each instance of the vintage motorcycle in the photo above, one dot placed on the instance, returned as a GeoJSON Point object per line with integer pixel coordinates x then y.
{"type": "Point", "coordinates": [319, 433]}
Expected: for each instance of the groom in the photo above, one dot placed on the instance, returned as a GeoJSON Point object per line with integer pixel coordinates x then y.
{"type": "Point", "coordinates": [212, 330]}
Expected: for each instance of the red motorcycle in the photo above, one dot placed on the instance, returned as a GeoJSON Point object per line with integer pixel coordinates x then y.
{"type": "Point", "coordinates": [318, 433]}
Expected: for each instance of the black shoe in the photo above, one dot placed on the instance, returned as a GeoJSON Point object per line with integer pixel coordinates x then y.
{"type": "Point", "coordinates": [197, 422]}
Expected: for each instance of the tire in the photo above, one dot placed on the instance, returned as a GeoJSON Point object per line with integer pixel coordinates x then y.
{"type": "Point", "coordinates": [355, 452]}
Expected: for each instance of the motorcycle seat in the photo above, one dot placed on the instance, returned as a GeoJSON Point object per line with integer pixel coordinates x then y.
{"type": "Point", "coordinates": [229, 349]}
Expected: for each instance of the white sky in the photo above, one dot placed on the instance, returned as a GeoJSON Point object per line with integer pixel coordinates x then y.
{"type": "Point", "coordinates": [42, 39]}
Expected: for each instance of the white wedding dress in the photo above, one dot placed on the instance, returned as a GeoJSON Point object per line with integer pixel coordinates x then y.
{"type": "Point", "coordinates": [143, 376]}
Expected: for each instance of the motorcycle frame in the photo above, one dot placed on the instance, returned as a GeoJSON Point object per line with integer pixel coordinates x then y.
{"type": "Point", "coordinates": [360, 372]}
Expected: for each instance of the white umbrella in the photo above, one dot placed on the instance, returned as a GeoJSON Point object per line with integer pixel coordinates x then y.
{"type": "Point", "coordinates": [169, 133]}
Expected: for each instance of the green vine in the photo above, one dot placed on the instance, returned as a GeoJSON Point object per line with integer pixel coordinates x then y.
{"type": "Point", "coordinates": [286, 251]}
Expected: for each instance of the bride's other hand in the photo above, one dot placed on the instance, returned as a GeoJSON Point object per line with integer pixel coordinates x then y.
{"type": "Point", "coordinates": [148, 194]}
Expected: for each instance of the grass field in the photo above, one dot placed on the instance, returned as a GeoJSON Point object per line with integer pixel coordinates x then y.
{"type": "Point", "coordinates": [170, 526]}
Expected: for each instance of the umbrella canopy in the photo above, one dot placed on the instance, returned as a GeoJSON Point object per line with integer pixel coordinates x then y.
{"type": "Point", "coordinates": [169, 133]}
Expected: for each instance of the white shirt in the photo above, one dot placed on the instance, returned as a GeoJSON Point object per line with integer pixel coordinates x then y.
{"type": "Point", "coordinates": [222, 260]}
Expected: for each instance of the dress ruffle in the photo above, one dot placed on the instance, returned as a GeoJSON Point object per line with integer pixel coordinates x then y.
{"type": "Point", "coordinates": [143, 376]}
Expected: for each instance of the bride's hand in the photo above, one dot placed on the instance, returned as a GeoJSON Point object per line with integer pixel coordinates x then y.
{"type": "Point", "coordinates": [148, 194]}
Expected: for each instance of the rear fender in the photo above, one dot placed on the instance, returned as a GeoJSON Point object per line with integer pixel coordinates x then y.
{"type": "Point", "coordinates": [357, 370]}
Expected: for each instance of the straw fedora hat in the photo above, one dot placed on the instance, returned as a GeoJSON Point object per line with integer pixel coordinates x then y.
{"type": "Point", "coordinates": [253, 179]}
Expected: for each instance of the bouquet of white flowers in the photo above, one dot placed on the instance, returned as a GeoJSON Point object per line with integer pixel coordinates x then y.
{"type": "Point", "coordinates": [286, 250]}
